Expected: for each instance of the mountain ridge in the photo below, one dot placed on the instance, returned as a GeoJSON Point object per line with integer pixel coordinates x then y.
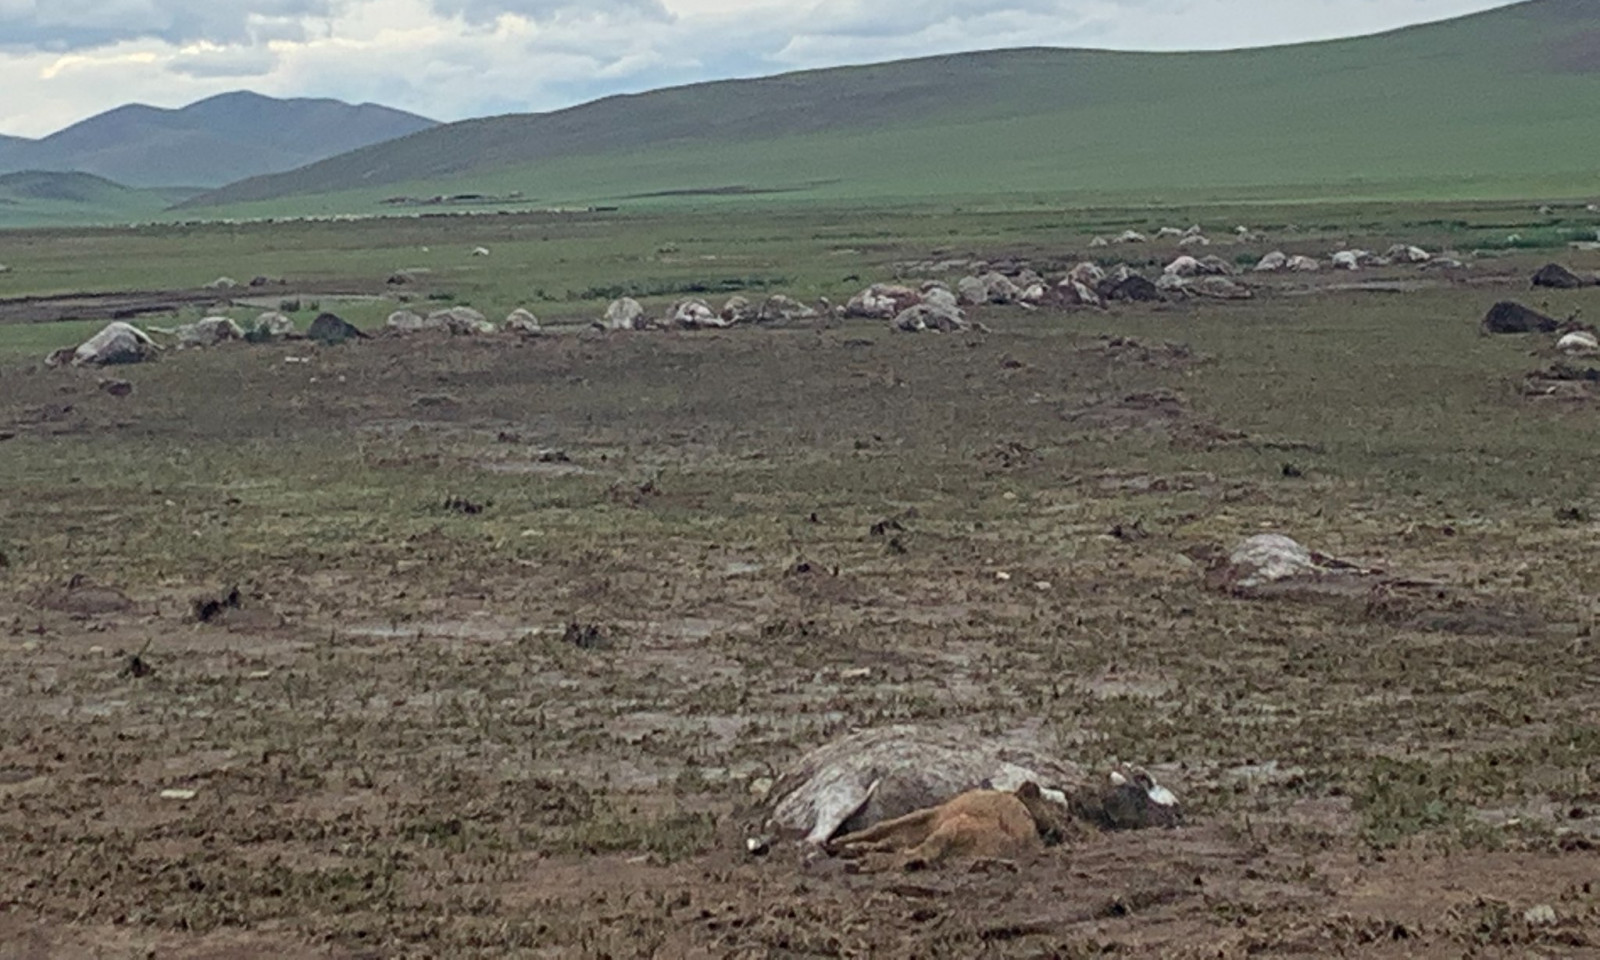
{"type": "Point", "coordinates": [209, 143]}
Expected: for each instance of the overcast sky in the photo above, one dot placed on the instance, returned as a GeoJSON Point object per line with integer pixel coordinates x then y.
{"type": "Point", "coordinates": [63, 60]}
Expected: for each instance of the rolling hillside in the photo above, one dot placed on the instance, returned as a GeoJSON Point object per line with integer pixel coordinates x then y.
{"type": "Point", "coordinates": [210, 143]}
{"type": "Point", "coordinates": [1497, 104]}
{"type": "Point", "coordinates": [33, 198]}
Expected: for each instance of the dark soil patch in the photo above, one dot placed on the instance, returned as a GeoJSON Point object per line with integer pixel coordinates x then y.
{"type": "Point", "coordinates": [81, 596]}
{"type": "Point", "coordinates": [1160, 411]}
{"type": "Point", "coordinates": [212, 608]}
{"type": "Point", "coordinates": [127, 304]}
{"type": "Point", "coordinates": [1162, 354]}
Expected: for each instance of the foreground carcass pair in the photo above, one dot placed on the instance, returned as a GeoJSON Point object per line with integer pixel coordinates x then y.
{"type": "Point", "coordinates": [926, 796]}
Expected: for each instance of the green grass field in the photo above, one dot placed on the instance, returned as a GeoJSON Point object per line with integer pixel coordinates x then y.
{"type": "Point", "coordinates": [566, 268]}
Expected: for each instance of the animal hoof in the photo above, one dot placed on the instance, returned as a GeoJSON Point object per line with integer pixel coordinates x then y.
{"type": "Point", "coordinates": [994, 866]}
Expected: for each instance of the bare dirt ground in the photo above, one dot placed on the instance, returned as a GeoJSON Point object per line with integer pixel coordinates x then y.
{"type": "Point", "coordinates": [132, 304]}
{"type": "Point", "coordinates": [519, 623]}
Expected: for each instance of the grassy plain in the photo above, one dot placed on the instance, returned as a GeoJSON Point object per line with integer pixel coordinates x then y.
{"type": "Point", "coordinates": [399, 748]}
{"type": "Point", "coordinates": [566, 267]}
{"type": "Point", "coordinates": [33, 199]}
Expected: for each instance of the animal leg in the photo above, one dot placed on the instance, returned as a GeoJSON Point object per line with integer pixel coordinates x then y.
{"type": "Point", "coordinates": [942, 843]}
{"type": "Point", "coordinates": [856, 851]}
{"type": "Point", "coordinates": [886, 837]}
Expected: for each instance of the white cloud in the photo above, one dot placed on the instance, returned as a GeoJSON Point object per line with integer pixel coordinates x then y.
{"type": "Point", "coordinates": [61, 60]}
{"type": "Point", "coordinates": [209, 60]}
{"type": "Point", "coordinates": [487, 11]}
{"type": "Point", "coordinates": [76, 24]}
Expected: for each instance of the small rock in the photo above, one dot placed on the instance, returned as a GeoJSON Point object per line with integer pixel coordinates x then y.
{"type": "Point", "coordinates": [1002, 576]}
{"type": "Point", "coordinates": [208, 609]}
{"type": "Point", "coordinates": [178, 794]}
{"type": "Point", "coordinates": [465, 507]}
{"type": "Point", "coordinates": [587, 636]}
{"type": "Point", "coordinates": [116, 388]}
{"type": "Point", "coordinates": [761, 788]}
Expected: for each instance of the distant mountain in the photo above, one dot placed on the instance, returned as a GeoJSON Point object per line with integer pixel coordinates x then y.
{"type": "Point", "coordinates": [34, 198]}
{"type": "Point", "coordinates": [1495, 104]}
{"type": "Point", "coordinates": [210, 143]}
{"type": "Point", "coordinates": [11, 151]}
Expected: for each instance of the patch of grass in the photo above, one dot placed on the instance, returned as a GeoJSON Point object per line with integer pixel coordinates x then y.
{"type": "Point", "coordinates": [670, 838]}
{"type": "Point", "coordinates": [35, 199]}
{"type": "Point", "coordinates": [1536, 239]}
{"type": "Point", "coordinates": [662, 288]}
{"type": "Point", "coordinates": [1401, 800]}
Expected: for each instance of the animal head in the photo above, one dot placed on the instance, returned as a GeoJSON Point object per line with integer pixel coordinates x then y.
{"type": "Point", "coordinates": [1132, 800]}
{"type": "Point", "coordinates": [1052, 819]}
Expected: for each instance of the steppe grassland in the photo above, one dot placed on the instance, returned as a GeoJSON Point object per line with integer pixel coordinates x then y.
{"type": "Point", "coordinates": [714, 522]}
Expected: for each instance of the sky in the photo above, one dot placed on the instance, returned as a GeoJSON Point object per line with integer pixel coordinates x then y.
{"type": "Point", "coordinates": [64, 60]}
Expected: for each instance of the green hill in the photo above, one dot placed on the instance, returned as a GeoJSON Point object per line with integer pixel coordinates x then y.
{"type": "Point", "coordinates": [1496, 104]}
{"type": "Point", "coordinates": [35, 198]}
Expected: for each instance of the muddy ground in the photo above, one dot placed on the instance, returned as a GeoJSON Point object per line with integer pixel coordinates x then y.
{"type": "Point", "coordinates": [519, 623]}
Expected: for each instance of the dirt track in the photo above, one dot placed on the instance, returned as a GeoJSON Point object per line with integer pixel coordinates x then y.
{"type": "Point", "coordinates": [129, 305]}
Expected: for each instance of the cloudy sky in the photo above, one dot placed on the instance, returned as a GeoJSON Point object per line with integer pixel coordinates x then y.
{"type": "Point", "coordinates": [63, 60]}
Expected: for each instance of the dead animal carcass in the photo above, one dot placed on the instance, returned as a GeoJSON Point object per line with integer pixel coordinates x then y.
{"type": "Point", "coordinates": [876, 775]}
